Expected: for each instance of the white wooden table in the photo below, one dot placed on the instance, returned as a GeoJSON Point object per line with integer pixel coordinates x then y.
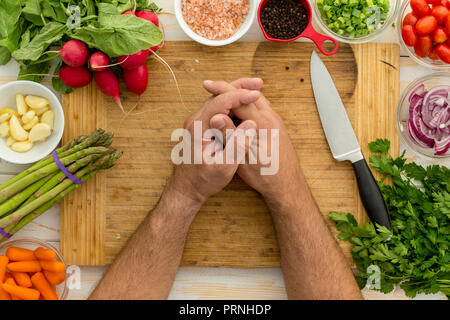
{"type": "Point", "coordinates": [199, 283]}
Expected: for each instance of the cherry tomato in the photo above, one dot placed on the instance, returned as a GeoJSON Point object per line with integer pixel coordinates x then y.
{"type": "Point", "coordinates": [423, 46]}
{"type": "Point", "coordinates": [426, 25]}
{"type": "Point", "coordinates": [439, 35]}
{"type": "Point", "coordinates": [433, 55]}
{"type": "Point", "coordinates": [440, 13]}
{"type": "Point", "coordinates": [409, 35]}
{"type": "Point", "coordinates": [448, 42]}
{"type": "Point", "coordinates": [446, 3]}
{"type": "Point", "coordinates": [447, 25]}
{"type": "Point", "coordinates": [443, 51]}
{"type": "Point", "coordinates": [420, 7]}
{"type": "Point", "coordinates": [410, 19]}
{"type": "Point", "coordinates": [434, 2]}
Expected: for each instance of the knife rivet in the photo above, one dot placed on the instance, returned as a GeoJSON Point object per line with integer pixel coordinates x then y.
{"type": "Point", "coordinates": [302, 80]}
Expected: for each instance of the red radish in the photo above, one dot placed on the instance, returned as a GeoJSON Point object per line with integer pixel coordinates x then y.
{"type": "Point", "coordinates": [98, 61]}
{"type": "Point", "coordinates": [75, 77]}
{"type": "Point", "coordinates": [74, 53]}
{"type": "Point", "coordinates": [134, 60]}
{"type": "Point", "coordinates": [108, 83]}
{"type": "Point", "coordinates": [136, 79]}
{"type": "Point", "coordinates": [131, 12]}
{"type": "Point", "coordinates": [149, 16]}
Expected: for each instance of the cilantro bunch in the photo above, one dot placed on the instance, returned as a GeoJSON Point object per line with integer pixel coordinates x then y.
{"type": "Point", "coordinates": [415, 254]}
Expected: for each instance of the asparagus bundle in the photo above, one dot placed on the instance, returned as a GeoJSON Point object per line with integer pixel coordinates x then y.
{"type": "Point", "coordinates": [38, 188]}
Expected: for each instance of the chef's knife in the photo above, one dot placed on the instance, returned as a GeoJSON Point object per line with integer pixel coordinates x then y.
{"type": "Point", "coordinates": [342, 140]}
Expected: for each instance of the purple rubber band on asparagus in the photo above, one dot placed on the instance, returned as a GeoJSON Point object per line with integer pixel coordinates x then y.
{"type": "Point", "coordinates": [3, 233]}
{"type": "Point", "coordinates": [63, 169]}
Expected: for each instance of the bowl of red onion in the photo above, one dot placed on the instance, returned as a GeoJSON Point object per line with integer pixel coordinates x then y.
{"type": "Point", "coordinates": [423, 116]}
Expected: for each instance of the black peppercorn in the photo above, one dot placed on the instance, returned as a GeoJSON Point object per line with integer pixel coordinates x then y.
{"type": "Point", "coordinates": [284, 19]}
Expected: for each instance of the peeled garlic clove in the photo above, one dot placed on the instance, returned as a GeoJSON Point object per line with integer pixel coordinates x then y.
{"type": "Point", "coordinates": [5, 117]}
{"type": "Point", "coordinates": [22, 146]}
{"type": "Point", "coordinates": [35, 102]}
{"type": "Point", "coordinates": [4, 129]}
{"type": "Point", "coordinates": [9, 111]}
{"type": "Point", "coordinates": [41, 111]}
{"type": "Point", "coordinates": [27, 117]}
{"type": "Point", "coordinates": [31, 124]}
{"type": "Point", "coordinates": [48, 118]}
{"type": "Point", "coordinates": [22, 107]}
{"type": "Point", "coordinates": [10, 141]}
{"type": "Point", "coordinates": [40, 132]}
{"type": "Point", "coordinates": [17, 132]}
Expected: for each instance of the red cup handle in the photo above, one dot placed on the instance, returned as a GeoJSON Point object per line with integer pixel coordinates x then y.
{"type": "Point", "coordinates": [319, 39]}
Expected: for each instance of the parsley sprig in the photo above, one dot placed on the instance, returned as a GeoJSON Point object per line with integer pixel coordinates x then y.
{"type": "Point", "coordinates": [415, 254]}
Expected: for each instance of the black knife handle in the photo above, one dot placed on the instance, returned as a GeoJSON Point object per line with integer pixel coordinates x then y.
{"type": "Point", "coordinates": [370, 193]}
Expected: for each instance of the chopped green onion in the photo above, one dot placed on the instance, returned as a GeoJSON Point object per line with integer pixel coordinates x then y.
{"type": "Point", "coordinates": [354, 18]}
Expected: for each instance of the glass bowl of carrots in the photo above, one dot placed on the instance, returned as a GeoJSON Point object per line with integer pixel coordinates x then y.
{"type": "Point", "coordinates": [31, 270]}
{"type": "Point", "coordinates": [418, 39]}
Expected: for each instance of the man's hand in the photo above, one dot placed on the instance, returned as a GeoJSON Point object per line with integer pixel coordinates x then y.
{"type": "Point", "coordinates": [313, 265]}
{"type": "Point", "coordinates": [200, 181]}
{"type": "Point", "coordinates": [274, 186]}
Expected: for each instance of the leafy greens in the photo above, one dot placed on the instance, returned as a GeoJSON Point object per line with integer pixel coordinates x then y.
{"type": "Point", "coordinates": [415, 254]}
{"type": "Point", "coordinates": [29, 27]}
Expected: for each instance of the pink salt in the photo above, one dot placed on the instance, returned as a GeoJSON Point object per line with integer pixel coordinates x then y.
{"type": "Point", "coordinates": [215, 19]}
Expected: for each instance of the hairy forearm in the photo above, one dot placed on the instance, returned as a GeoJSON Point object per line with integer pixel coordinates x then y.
{"type": "Point", "coordinates": [312, 262]}
{"type": "Point", "coordinates": [146, 267]}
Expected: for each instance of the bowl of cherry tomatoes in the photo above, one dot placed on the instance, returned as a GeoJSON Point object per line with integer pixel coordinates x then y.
{"type": "Point", "coordinates": [424, 31]}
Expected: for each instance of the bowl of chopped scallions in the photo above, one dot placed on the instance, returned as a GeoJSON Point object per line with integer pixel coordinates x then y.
{"type": "Point", "coordinates": [355, 21]}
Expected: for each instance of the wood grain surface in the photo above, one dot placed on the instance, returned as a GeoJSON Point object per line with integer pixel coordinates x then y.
{"type": "Point", "coordinates": [233, 228]}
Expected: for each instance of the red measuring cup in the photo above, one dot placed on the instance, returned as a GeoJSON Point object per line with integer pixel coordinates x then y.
{"type": "Point", "coordinates": [309, 32]}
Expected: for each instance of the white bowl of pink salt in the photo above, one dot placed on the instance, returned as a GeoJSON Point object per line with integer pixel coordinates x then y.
{"type": "Point", "coordinates": [215, 22]}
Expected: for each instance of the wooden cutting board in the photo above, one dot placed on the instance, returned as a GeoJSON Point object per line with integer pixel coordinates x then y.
{"type": "Point", "coordinates": [233, 229]}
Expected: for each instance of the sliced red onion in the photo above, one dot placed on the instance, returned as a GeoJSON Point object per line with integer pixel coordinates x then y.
{"type": "Point", "coordinates": [429, 118]}
{"type": "Point", "coordinates": [417, 92]}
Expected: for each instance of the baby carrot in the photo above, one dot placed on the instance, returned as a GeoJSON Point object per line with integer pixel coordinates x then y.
{"type": "Point", "coordinates": [43, 286]}
{"type": "Point", "coordinates": [54, 278]}
{"type": "Point", "coordinates": [3, 263]}
{"type": "Point", "coordinates": [20, 254]}
{"type": "Point", "coordinates": [7, 276]}
{"type": "Point", "coordinates": [53, 266]}
{"type": "Point", "coordinates": [44, 254]}
{"type": "Point", "coordinates": [4, 295]}
{"type": "Point", "coordinates": [22, 279]}
{"type": "Point", "coordinates": [11, 281]}
{"type": "Point", "coordinates": [22, 293]}
{"type": "Point", "coordinates": [25, 266]}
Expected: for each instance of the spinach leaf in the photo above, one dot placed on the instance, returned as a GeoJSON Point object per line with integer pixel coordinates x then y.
{"type": "Point", "coordinates": [33, 72]}
{"type": "Point", "coordinates": [32, 12]}
{"type": "Point", "coordinates": [53, 10]}
{"type": "Point", "coordinates": [90, 7]}
{"type": "Point", "coordinates": [5, 55]}
{"type": "Point", "coordinates": [9, 16]}
{"type": "Point", "coordinates": [13, 38]}
{"type": "Point", "coordinates": [57, 83]}
{"type": "Point", "coordinates": [51, 32]}
{"type": "Point", "coordinates": [118, 35]}
{"type": "Point", "coordinates": [106, 9]}
{"type": "Point", "coordinates": [124, 5]}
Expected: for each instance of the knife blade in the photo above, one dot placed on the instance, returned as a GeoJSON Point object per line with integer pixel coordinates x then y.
{"type": "Point", "coordinates": [342, 140]}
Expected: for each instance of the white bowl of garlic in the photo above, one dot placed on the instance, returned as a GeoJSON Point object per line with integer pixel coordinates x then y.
{"type": "Point", "coordinates": [31, 122]}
